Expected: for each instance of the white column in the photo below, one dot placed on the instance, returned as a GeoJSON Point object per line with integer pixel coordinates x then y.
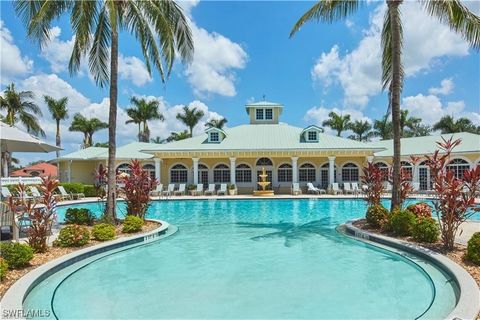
{"type": "Point", "coordinates": [158, 169]}
{"type": "Point", "coordinates": [232, 170]}
{"type": "Point", "coordinates": [415, 173]}
{"type": "Point", "coordinates": [69, 171]}
{"type": "Point", "coordinates": [294, 170]}
{"type": "Point", "coordinates": [195, 170]}
{"type": "Point", "coordinates": [331, 171]}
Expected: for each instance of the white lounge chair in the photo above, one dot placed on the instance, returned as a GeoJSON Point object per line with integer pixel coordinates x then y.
{"type": "Point", "coordinates": [64, 195]}
{"type": "Point", "coordinates": [336, 188]}
{"type": "Point", "coordinates": [313, 189]}
{"type": "Point", "coordinates": [36, 194]}
{"type": "Point", "coordinates": [158, 190]}
{"type": "Point", "coordinates": [222, 190]}
{"type": "Point", "coordinates": [210, 190]}
{"type": "Point", "coordinates": [169, 191]}
{"type": "Point", "coordinates": [180, 191]}
{"type": "Point", "coordinates": [356, 189]}
{"type": "Point", "coordinates": [347, 189]}
{"type": "Point", "coordinates": [198, 190]}
{"type": "Point", "coordinates": [296, 189]}
{"type": "Point", "coordinates": [6, 193]}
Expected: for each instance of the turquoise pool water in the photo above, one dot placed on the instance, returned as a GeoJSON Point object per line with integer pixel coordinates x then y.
{"type": "Point", "coordinates": [249, 259]}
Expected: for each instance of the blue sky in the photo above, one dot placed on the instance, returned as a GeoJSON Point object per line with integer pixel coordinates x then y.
{"type": "Point", "coordinates": [243, 51]}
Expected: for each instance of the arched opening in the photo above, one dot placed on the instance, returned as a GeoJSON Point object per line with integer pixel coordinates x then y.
{"type": "Point", "coordinates": [268, 165]}
{"type": "Point", "coordinates": [424, 176]}
{"type": "Point", "coordinates": [306, 173]}
{"type": "Point", "coordinates": [285, 173]}
{"type": "Point", "coordinates": [124, 168]}
{"type": "Point", "coordinates": [383, 167]}
{"type": "Point", "coordinates": [178, 174]}
{"type": "Point", "coordinates": [150, 168]}
{"type": "Point", "coordinates": [350, 173]}
{"type": "Point", "coordinates": [324, 175]}
{"type": "Point", "coordinates": [458, 166]}
{"type": "Point", "coordinates": [264, 162]}
{"type": "Point", "coordinates": [243, 173]}
{"type": "Point", "coordinates": [221, 174]}
{"type": "Point", "coordinates": [203, 174]}
{"type": "Point", "coordinates": [407, 167]}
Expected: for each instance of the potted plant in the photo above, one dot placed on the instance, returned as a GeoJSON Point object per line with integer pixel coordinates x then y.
{"type": "Point", "coordinates": [232, 189]}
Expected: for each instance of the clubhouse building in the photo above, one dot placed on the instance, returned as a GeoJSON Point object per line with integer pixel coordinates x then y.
{"type": "Point", "coordinates": [289, 154]}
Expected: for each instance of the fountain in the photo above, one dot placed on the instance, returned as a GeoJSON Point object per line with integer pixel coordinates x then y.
{"type": "Point", "coordinates": [263, 183]}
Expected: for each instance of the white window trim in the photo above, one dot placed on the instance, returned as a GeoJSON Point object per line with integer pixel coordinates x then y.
{"type": "Point", "coordinates": [308, 136]}
{"type": "Point", "coordinates": [214, 141]}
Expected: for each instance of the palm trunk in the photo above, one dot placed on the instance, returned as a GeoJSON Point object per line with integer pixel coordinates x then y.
{"type": "Point", "coordinates": [4, 164]}
{"type": "Point", "coordinates": [57, 138]}
{"type": "Point", "coordinates": [393, 8]}
{"type": "Point", "coordinates": [112, 124]}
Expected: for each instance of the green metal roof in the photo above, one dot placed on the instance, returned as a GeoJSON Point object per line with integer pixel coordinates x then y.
{"type": "Point", "coordinates": [426, 145]}
{"type": "Point", "coordinates": [129, 151]}
{"type": "Point", "coordinates": [264, 104]}
{"type": "Point", "coordinates": [262, 137]}
{"type": "Point", "coordinates": [85, 154]}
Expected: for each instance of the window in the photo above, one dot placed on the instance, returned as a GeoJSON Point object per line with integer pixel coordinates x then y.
{"type": "Point", "coordinates": [243, 173]}
{"type": "Point", "coordinates": [214, 136]}
{"type": "Point", "coordinates": [221, 173]}
{"type": "Point", "coordinates": [268, 114]}
{"type": "Point", "coordinates": [264, 162]}
{"type": "Point", "coordinates": [259, 114]}
{"type": "Point", "coordinates": [306, 173]}
{"type": "Point", "coordinates": [285, 173]}
{"type": "Point", "coordinates": [203, 174]}
{"type": "Point", "coordinates": [383, 168]}
{"type": "Point", "coordinates": [124, 168]}
{"type": "Point", "coordinates": [350, 172]}
{"type": "Point", "coordinates": [458, 166]}
{"type": "Point", "coordinates": [178, 174]}
{"type": "Point", "coordinates": [312, 135]}
{"type": "Point", "coordinates": [150, 168]}
{"type": "Point", "coordinates": [324, 175]}
{"type": "Point", "coordinates": [408, 169]}
{"type": "Point", "coordinates": [424, 176]}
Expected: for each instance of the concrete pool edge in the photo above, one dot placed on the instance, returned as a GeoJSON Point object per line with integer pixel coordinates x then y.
{"type": "Point", "coordinates": [468, 303]}
{"type": "Point", "coordinates": [12, 301]}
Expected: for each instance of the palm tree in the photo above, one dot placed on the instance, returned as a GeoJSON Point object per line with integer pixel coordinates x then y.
{"type": "Point", "coordinates": [362, 130]}
{"type": "Point", "coordinates": [88, 127]}
{"type": "Point", "coordinates": [418, 130]}
{"type": "Point", "coordinates": [19, 109]}
{"type": "Point", "coordinates": [157, 140]}
{"type": "Point", "coordinates": [453, 13]}
{"type": "Point", "coordinates": [58, 110]}
{"type": "Point", "coordinates": [101, 144]}
{"type": "Point", "coordinates": [337, 122]}
{"type": "Point", "coordinates": [190, 117]}
{"type": "Point", "coordinates": [141, 112]}
{"type": "Point", "coordinates": [159, 25]}
{"type": "Point", "coordinates": [447, 124]}
{"type": "Point", "coordinates": [407, 122]}
{"type": "Point", "coordinates": [176, 136]}
{"type": "Point", "coordinates": [216, 123]}
{"type": "Point", "coordinates": [383, 128]}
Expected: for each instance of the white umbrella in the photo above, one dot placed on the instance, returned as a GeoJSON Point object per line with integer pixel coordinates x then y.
{"type": "Point", "coordinates": [13, 139]}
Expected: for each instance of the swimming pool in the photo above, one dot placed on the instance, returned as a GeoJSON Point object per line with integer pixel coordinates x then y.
{"type": "Point", "coordinates": [250, 259]}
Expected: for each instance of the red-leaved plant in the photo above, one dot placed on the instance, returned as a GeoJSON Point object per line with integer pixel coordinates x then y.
{"type": "Point", "coordinates": [138, 185]}
{"type": "Point", "coordinates": [455, 200]}
{"type": "Point", "coordinates": [100, 181]}
{"type": "Point", "coordinates": [373, 179]}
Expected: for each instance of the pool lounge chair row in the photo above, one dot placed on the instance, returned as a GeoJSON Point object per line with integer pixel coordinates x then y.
{"type": "Point", "coordinates": [181, 190]}
{"type": "Point", "coordinates": [35, 194]}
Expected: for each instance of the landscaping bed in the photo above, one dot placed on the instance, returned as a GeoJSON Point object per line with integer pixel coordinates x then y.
{"type": "Point", "coordinates": [55, 252]}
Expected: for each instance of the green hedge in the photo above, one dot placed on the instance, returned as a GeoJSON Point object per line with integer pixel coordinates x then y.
{"type": "Point", "coordinates": [132, 224]}
{"type": "Point", "coordinates": [17, 255]}
{"type": "Point", "coordinates": [103, 232]}
{"type": "Point", "coordinates": [89, 190]}
{"type": "Point", "coordinates": [73, 187]}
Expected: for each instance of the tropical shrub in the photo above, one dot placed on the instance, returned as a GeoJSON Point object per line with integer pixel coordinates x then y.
{"type": "Point", "coordinates": [103, 232]}
{"type": "Point", "coordinates": [425, 230]}
{"type": "Point", "coordinates": [373, 179]}
{"type": "Point", "coordinates": [3, 268]}
{"type": "Point", "coordinates": [73, 187]}
{"type": "Point", "coordinates": [72, 236]}
{"type": "Point", "coordinates": [401, 222]}
{"type": "Point", "coordinates": [191, 187]}
{"type": "Point", "coordinates": [138, 185]}
{"type": "Point", "coordinates": [420, 210]}
{"type": "Point", "coordinates": [80, 216]}
{"type": "Point", "coordinates": [377, 215]}
{"type": "Point", "coordinates": [455, 201]}
{"type": "Point", "coordinates": [16, 255]}
{"type": "Point", "coordinates": [473, 248]}
{"type": "Point", "coordinates": [132, 224]}
{"type": "Point", "coordinates": [89, 190]}
{"type": "Point", "coordinates": [100, 179]}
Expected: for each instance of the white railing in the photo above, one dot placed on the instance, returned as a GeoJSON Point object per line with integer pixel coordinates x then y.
{"type": "Point", "coordinates": [17, 180]}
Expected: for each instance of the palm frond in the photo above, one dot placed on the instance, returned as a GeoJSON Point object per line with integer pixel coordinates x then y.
{"type": "Point", "coordinates": [83, 18]}
{"type": "Point", "coordinates": [99, 59]}
{"type": "Point", "coordinates": [386, 42]}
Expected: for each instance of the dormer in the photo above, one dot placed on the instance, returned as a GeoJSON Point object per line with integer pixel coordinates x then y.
{"type": "Point", "coordinates": [264, 112]}
{"type": "Point", "coordinates": [311, 133]}
{"type": "Point", "coordinates": [215, 135]}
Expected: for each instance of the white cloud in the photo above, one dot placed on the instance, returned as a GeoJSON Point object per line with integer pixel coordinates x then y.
{"type": "Point", "coordinates": [187, 6]}
{"type": "Point", "coordinates": [215, 59]}
{"type": "Point", "coordinates": [12, 63]}
{"type": "Point", "coordinates": [132, 68]}
{"type": "Point", "coordinates": [426, 40]}
{"type": "Point", "coordinates": [316, 115]}
{"type": "Point", "coordinates": [446, 87]}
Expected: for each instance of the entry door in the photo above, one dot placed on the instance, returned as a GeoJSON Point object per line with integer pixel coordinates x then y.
{"type": "Point", "coordinates": [269, 179]}
{"type": "Point", "coordinates": [203, 177]}
{"type": "Point", "coordinates": [324, 178]}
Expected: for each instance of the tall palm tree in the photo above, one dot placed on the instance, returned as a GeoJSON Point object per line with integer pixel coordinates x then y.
{"type": "Point", "coordinates": [451, 12]}
{"type": "Point", "coordinates": [383, 128]}
{"type": "Point", "coordinates": [21, 109]}
{"type": "Point", "coordinates": [190, 117]}
{"type": "Point", "coordinates": [447, 124]}
{"type": "Point", "coordinates": [157, 140]}
{"type": "Point", "coordinates": [337, 122]}
{"type": "Point", "coordinates": [58, 110]}
{"type": "Point", "coordinates": [216, 123]}
{"type": "Point", "coordinates": [88, 127]}
{"type": "Point", "coordinates": [362, 130]}
{"type": "Point", "coordinates": [407, 122]}
{"type": "Point", "coordinates": [142, 111]}
{"type": "Point", "coordinates": [159, 25]}
{"type": "Point", "coordinates": [176, 136]}
{"type": "Point", "coordinates": [419, 130]}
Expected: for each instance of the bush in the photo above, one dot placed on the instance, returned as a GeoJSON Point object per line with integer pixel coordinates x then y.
{"type": "Point", "coordinates": [420, 210]}
{"type": "Point", "coordinates": [425, 230]}
{"type": "Point", "coordinates": [132, 224]}
{"type": "Point", "coordinates": [473, 248]}
{"type": "Point", "coordinates": [376, 216]}
{"type": "Point", "coordinates": [3, 268]}
{"type": "Point", "coordinates": [16, 255]}
{"type": "Point", "coordinates": [73, 187]}
{"type": "Point", "coordinates": [103, 232]}
{"type": "Point", "coordinates": [401, 222]}
{"type": "Point", "coordinates": [81, 216]}
{"type": "Point", "coordinates": [72, 236]}
{"type": "Point", "coordinates": [89, 190]}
